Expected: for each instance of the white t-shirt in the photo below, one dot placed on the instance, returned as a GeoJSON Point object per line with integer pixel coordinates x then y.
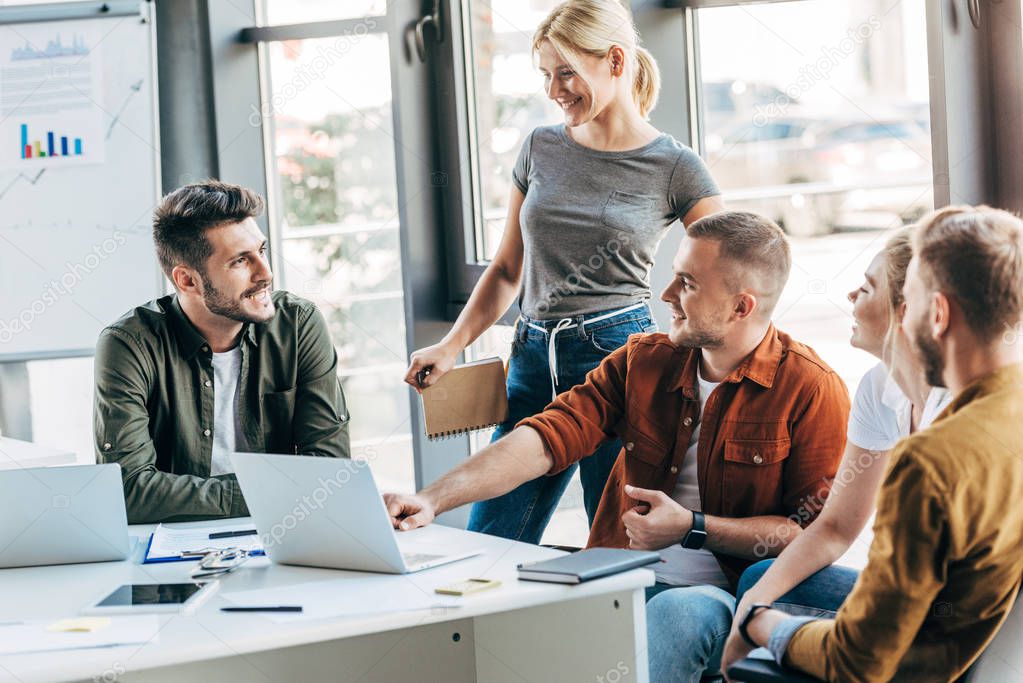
{"type": "Point", "coordinates": [881, 414]}
{"type": "Point", "coordinates": [684, 566]}
{"type": "Point", "coordinates": [227, 433]}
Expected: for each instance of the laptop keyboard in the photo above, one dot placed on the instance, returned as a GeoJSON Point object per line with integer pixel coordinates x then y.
{"type": "Point", "coordinates": [413, 559]}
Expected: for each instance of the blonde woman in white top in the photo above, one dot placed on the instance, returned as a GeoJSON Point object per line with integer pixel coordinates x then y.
{"type": "Point", "coordinates": [892, 401]}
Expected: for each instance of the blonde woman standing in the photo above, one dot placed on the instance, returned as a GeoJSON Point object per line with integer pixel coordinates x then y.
{"type": "Point", "coordinates": [592, 198]}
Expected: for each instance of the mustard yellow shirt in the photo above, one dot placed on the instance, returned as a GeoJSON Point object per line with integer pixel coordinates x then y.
{"type": "Point", "coordinates": [947, 558]}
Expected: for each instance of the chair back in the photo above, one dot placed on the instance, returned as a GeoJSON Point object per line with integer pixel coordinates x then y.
{"type": "Point", "coordinates": [1002, 660]}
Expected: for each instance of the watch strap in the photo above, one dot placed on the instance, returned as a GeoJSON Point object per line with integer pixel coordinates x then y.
{"type": "Point", "coordinates": [750, 614]}
{"type": "Point", "coordinates": [697, 534]}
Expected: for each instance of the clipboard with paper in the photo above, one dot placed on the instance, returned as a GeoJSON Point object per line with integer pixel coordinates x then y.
{"type": "Point", "coordinates": [170, 544]}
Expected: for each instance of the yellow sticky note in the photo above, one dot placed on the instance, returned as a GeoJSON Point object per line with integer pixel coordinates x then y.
{"type": "Point", "coordinates": [79, 624]}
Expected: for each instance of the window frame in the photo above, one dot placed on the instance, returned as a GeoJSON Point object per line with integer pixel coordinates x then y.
{"type": "Point", "coordinates": [432, 117]}
{"type": "Point", "coordinates": [421, 175]}
{"type": "Point", "coordinates": [954, 57]}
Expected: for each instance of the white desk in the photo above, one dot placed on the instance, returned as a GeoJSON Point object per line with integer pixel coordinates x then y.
{"type": "Point", "coordinates": [520, 632]}
{"type": "Point", "coordinates": [15, 454]}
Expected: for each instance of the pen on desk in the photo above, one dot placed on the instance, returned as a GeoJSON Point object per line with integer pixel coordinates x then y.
{"type": "Point", "coordinates": [268, 608]}
{"type": "Point", "coordinates": [232, 534]}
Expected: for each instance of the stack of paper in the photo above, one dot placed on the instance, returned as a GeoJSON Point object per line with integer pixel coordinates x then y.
{"type": "Point", "coordinates": [41, 635]}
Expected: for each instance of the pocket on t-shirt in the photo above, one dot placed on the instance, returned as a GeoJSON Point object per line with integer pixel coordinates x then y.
{"type": "Point", "coordinates": [630, 212]}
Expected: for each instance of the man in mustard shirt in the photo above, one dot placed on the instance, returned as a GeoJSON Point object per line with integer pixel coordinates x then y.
{"type": "Point", "coordinates": [946, 563]}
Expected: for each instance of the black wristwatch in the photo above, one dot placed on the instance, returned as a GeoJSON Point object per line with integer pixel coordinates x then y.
{"type": "Point", "coordinates": [744, 624]}
{"type": "Point", "coordinates": [697, 535]}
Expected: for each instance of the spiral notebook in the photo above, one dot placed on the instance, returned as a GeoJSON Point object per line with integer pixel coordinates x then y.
{"type": "Point", "coordinates": [465, 398]}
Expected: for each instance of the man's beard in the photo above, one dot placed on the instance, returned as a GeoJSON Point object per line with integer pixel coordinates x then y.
{"type": "Point", "coordinates": [699, 339]}
{"type": "Point", "coordinates": [220, 304]}
{"type": "Point", "coordinates": [930, 355]}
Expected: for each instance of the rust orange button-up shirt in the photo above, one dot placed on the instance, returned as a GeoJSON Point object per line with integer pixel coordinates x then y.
{"type": "Point", "coordinates": [770, 440]}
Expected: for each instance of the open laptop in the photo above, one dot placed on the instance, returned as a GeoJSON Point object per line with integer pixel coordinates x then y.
{"type": "Point", "coordinates": [327, 512]}
{"type": "Point", "coordinates": [62, 515]}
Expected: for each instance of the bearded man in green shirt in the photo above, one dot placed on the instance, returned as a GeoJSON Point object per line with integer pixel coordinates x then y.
{"type": "Point", "coordinates": [222, 365]}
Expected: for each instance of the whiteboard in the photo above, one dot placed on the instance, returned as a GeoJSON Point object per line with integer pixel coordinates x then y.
{"type": "Point", "coordinates": [79, 179]}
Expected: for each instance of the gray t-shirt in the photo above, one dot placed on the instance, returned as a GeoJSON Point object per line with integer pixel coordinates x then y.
{"type": "Point", "coordinates": [592, 220]}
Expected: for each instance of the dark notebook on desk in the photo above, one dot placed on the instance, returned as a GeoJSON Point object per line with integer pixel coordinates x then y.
{"type": "Point", "coordinates": [587, 565]}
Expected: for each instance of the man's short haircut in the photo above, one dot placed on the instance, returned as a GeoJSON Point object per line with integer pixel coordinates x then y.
{"type": "Point", "coordinates": [182, 218]}
{"type": "Point", "coordinates": [755, 247]}
{"type": "Point", "coordinates": [974, 255]}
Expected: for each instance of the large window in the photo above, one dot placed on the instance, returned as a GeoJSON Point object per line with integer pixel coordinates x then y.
{"type": "Point", "coordinates": [509, 102]}
{"type": "Point", "coordinates": [827, 132]}
{"type": "Point", "coordinates": [302, 11]}
{"type": "Point", "coordinates": [820, 121]}
{"type": "Point", "coordinates": [336, 214]}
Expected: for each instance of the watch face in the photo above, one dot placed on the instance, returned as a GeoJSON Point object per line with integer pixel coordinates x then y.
{"type": "Point", "coordinates": [695, 539]}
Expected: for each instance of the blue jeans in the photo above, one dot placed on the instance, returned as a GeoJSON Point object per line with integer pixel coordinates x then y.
{"type": "Point", "coordinates": [686, 632]}
{"type": "Point", "coordinates": [819, 595]}
{"type": "Point", "coordinates": [523, 513]}
{"type": "Point", "coordinates": [687, 627]}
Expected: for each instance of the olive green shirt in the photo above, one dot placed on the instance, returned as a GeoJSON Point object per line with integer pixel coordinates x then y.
{"type": "Point", "coordinates": [946, 562]}
{"type": "Point", "coordinates": [154, 404]}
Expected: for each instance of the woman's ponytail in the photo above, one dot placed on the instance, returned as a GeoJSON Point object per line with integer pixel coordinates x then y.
{"type": "Point", "coordinates": [646, 85]}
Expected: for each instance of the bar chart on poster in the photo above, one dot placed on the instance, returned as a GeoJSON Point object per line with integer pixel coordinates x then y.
{"type": "Point", "coordinates": [78, 122]}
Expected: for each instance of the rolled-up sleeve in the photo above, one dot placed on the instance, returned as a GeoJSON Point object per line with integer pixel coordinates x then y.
{"type": "Point", "coordinates": [581, 419]}
{"type": "Point", "coordinates": [906, 570]}
{"type": "Point", "coordinates": [782, 634]}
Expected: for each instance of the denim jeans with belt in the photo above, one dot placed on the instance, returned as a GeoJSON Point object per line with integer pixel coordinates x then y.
{"type": "Point", "coordinates": [523, 513]}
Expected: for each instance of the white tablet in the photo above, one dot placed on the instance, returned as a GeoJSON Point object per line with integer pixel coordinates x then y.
{"type": "Point", "coordinates": [135, 598]}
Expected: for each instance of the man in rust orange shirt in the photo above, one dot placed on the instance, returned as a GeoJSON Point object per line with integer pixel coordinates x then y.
{"type": "Point", "coordinates": [731, 430]}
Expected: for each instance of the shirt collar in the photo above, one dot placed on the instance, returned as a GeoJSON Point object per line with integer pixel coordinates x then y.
{"type": "Point", "coordinates": [760, 366]}
{"type": "Point", "coordinates": [891, 393]}
{"type": "Point", "coordinates": [189, 339]}
{"type": "Point", "coordinates": [1008, 376]}
{"type": "Point", "coordinates": [896, 401]}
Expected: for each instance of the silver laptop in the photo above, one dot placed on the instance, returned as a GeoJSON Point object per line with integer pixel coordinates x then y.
{"type": "Point", "coordinates": [326, 512]}
{"type": "Point", "coordinates": [62, 515]}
